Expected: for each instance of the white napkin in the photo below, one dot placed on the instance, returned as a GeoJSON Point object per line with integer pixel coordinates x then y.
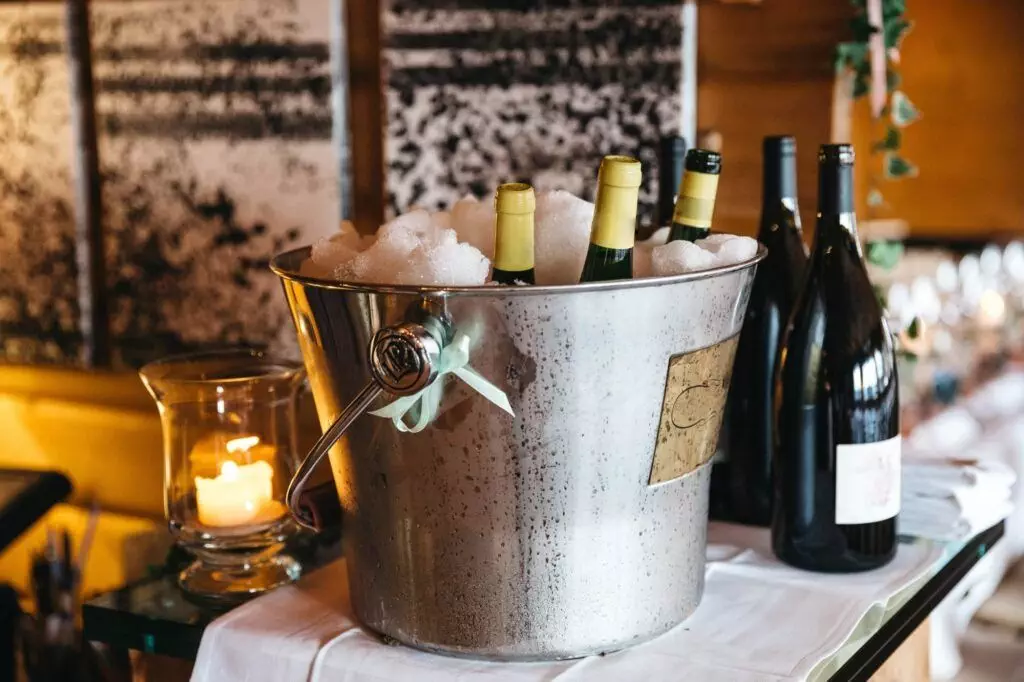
{"type": "Point", "coordinates": [939, 479]}
{"type": "Point", "coordinates": [276, 637]}
{"type": "Point", "coordinates": [759, 621]}
{"type": "Point", "coordinates": [954, 517]}
{"type": "Point", "coordinates": [953, 496]}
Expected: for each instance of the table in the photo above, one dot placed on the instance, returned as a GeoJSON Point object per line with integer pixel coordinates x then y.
{"type": "Point", "coordinates": [154, 617]}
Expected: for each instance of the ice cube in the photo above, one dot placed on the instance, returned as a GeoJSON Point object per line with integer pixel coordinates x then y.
{"type": "Point", "coordinates": [412, 224]}
{"type": "Point", "coordinates": [448, 264]}
{"type": "Point", "coordinates": [679, 257]}
{"type": "Point", "coordinates": [329, 253]}
{"type": "Point", "coordinates": [414, 249]}
{"type": "Point", "coordinates": [658, 237]}
{"type": "Point", "coordinates": [713, 242]}
{"type": "Point", "coordinates": [642, 265]}
{"type": "Point", "coordinates": [562, 237]}
{"type": "Point", "coordinates": [729, 249]}
{"type": "Point", "coordinates": [473, 220]}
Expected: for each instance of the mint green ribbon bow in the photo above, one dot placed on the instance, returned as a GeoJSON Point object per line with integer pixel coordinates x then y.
{"type": "Point", "coordinates": [454, 359]}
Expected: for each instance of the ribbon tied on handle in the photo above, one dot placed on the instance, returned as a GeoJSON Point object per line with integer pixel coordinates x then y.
{"type": "Point", "coordinates": [454, 359]}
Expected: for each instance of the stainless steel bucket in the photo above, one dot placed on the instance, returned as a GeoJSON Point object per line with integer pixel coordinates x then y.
{"type": "Point", "coordinates": [575, 526]}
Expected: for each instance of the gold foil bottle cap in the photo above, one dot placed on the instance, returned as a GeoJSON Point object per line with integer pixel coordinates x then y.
{"type": "Point", "coordinates": [620, 171]}
{"type": "Point", "coordinates": [514, 197]}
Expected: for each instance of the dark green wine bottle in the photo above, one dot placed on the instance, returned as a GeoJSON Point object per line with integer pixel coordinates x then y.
{"type": "Point", "coordinates": [696, 203]}
{"type": "Point", "coordinates": [514, 206]}
{"type": "Point", "coordinates": [613, 229]}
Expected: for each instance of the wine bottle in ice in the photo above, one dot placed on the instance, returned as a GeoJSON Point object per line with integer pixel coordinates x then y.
{"type": "Point", "coordinates": [514, 206]}
{"type": "Point", "coordinates": [695, 205]}
{"type": "Point", "coordinates": [671, 156]}
{"type": "Point", "coordinates": [750, 406]}
{"type": "Point", "coordinates": [836, 470]}
{"type": "Point", "coordinates": [613, 230]}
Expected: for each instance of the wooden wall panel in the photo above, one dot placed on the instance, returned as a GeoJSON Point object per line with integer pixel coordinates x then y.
{"type": "Point", "coordinates": [766, 69]}
{"type": "Point", "coordinates": [964, 68]}
{"type": "Point", "coordinates": [366, 113]}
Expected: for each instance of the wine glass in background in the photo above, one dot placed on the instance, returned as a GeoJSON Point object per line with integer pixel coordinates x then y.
{"type": "Point", "coordinates": [1013, 277]}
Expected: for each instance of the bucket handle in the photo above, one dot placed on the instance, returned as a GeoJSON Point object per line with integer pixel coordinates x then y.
{"type": "Point", "coordinates": [403, 361]}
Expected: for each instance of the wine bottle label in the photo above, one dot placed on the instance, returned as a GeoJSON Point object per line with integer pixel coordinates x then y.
{"type": "Point", "coordinates": [513, 242]}
{"type": "Point", "coordinates": [868, 481]}
{"type": "Point", "coordinates": [615, 217]}
{"type": "Point", "coordinates": [692, 410]}
{"type": "Point", "coordinates": [696, 203]}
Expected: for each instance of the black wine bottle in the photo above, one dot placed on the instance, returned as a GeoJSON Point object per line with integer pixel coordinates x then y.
{"type": "Point", "coordinates": [671, 155]}
{"type": "Point", "coordinates": [695, 205]}
{"type": "Point", "coordinates": [750, 406]}
{"type": "Point", "coordinates": [836, 469]}
{"type": "Point", "coordinates": [613, 230]}
{"type": "Point", "coordinates": [514, 206]}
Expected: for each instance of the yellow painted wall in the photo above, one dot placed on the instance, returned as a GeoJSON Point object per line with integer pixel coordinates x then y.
{"type": "Point", "coordinates": [103, 432]}
{"type": "Point", "coordinates": [100, 429]}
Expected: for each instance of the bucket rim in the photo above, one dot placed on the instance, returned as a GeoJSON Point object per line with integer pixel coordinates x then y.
{"type": "Point", "coordinates": [286, 272]}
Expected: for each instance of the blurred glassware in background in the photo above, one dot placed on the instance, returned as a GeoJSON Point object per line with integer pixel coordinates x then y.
{"type": "Point", "coordinates": [970, 312]}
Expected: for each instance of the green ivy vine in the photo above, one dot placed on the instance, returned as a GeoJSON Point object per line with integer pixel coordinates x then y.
{"type": "Point", "coordinates": [898, 112]}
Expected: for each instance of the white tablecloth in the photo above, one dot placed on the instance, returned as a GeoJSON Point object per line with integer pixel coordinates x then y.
{"type": "Point", "coordinates": [759, 621]}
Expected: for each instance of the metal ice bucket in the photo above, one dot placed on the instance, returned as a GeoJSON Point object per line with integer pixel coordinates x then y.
{"type": "Point", "coordinates": [576, 526]}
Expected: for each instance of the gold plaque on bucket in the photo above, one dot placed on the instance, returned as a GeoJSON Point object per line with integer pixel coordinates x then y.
{"type": "Point", "coordinates": [691, 413]}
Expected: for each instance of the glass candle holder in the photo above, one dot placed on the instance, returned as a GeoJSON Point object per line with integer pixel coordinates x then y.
{"type": "Point", "coordinates": [229, 452]}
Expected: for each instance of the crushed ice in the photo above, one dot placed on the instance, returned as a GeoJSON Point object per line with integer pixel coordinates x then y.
{"type": "Point", "coordinates": [454, 248]}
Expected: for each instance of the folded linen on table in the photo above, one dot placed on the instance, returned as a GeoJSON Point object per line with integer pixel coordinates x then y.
{"type": "Point", "coordinates": [759, 621]}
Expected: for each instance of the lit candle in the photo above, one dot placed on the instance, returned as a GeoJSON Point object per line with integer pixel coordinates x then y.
{"type": "Point", "coordinates": [240, 495]}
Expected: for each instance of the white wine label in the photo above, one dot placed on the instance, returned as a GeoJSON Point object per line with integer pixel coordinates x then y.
{"type": "Point", "coordinates": [868, 481]}
{"type": "Point", "coordinates": [692, 410]}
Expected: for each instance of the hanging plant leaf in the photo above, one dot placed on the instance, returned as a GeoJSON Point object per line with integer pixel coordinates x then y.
{"type": "Point", "coordinates": [875, 198]}
{"type": "Point", "coordinates": [893, 8]}
{"type": "Point", "coordinates": [894, 31]}
{"type": "Point", "coordinates": [892, 79]}
{"type": "Point", "coordinates": [851, 54]}
{"type": "Point", "coordinates": [898, 167]}
{"type": "Point", "coordinates": [914, 330]}
{"type": "Point", "coordinates": [862, 28]}
{"type": "Point", "coordinates": [885, 253]}
{"type": "Point", "coordinates": [903, 110]}
{"type": "Point", "coordinates": [891, 141]}
{"type": "Point", "coordinates": [861, 86]}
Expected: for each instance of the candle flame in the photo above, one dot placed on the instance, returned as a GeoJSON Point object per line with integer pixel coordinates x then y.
{"type": "Point", "coordinates": [243, 444]}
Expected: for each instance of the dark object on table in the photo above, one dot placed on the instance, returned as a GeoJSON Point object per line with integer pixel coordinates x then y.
{"type": "Point", "coordinates": [836, 471]}
{"type": "Point", "coordinates": [154, 616]}
{"type": "Point", "coordinates": [52, 648]}
{"type": "Point", "coordinates": [25, 496]}
{"type": "Point", "coordinates": [747, 490]}
{"type": "Point", "coordinates": [10, 622]}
